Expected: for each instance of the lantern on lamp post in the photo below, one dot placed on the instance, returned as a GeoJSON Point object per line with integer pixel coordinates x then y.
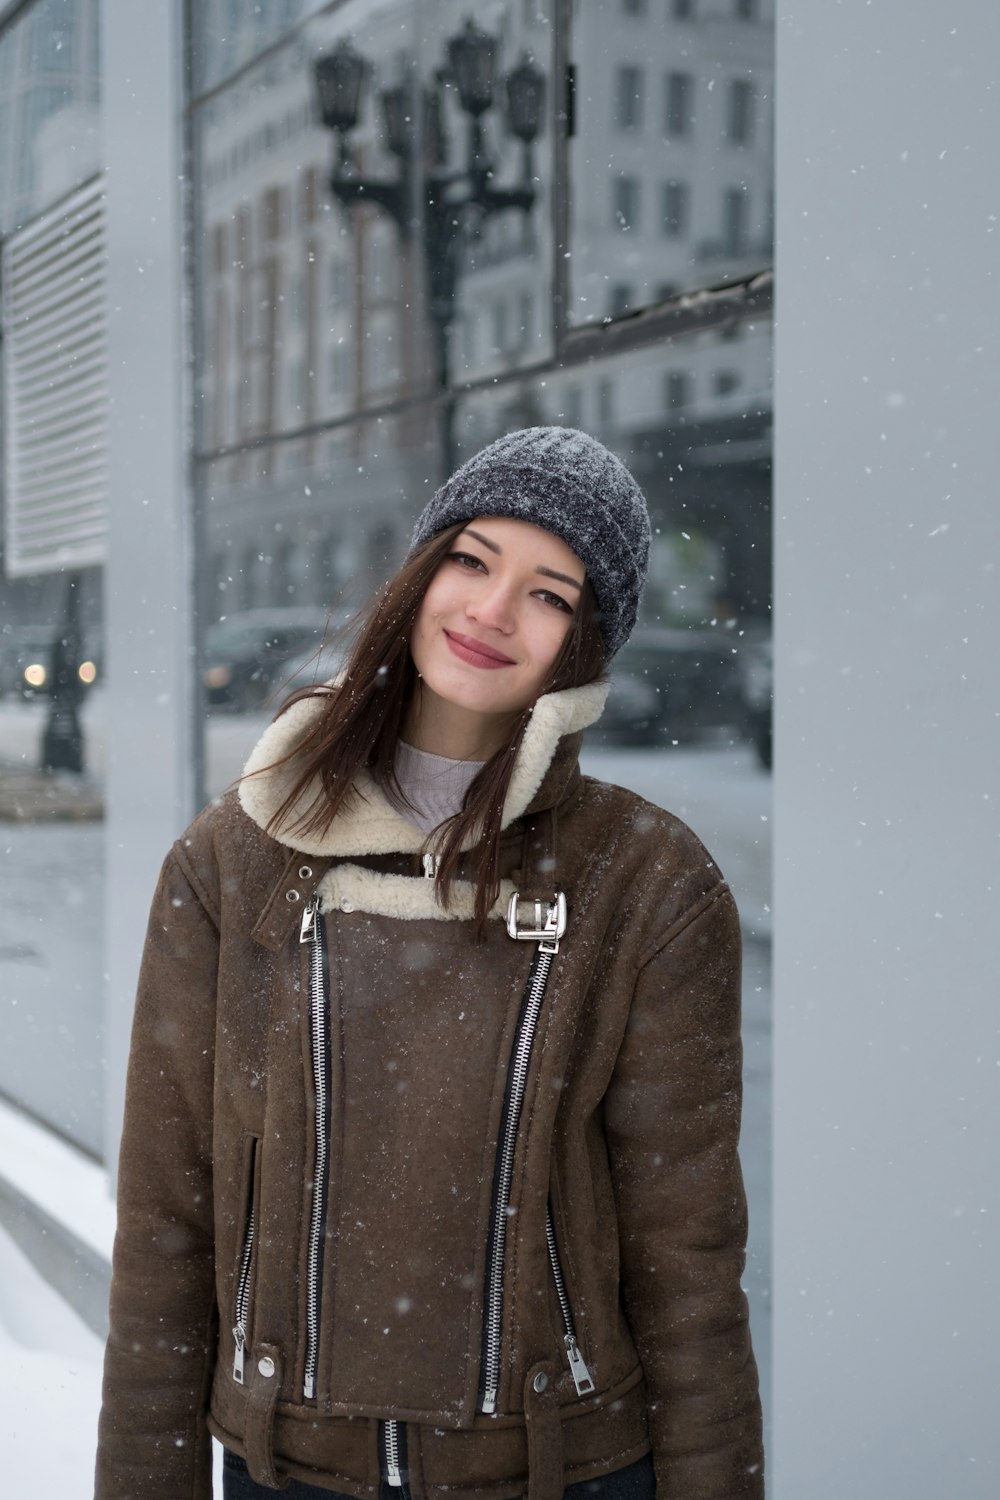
{"type": "Point", "coordinates": [447, 208]}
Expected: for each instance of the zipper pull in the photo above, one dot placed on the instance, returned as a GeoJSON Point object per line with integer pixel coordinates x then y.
{"type": "Point", "coordinates": [307, 931]}
{"type": "Point", "coordinates": [392, 1471]}
{"type": "Point", "coordinates": [582, 1378]}
{"type": "Point", "coordinates": [430, 863]}
{"type": "Point", "coordinates": [239, 1360]}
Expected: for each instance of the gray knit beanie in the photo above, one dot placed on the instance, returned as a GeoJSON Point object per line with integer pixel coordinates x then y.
{"type": "Point", "coordinates": [569, 484]}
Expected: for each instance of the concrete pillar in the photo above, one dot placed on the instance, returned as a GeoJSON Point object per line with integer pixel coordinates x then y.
{"type": "Point", "coordinates": [148, 610]}
{"type": "Point", "coordinates": [887, 804]}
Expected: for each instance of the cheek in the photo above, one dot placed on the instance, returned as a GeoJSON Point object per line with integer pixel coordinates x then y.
{"type": "Point", "coordinates": [555, 639]}
{"type": "Point", "coordinates": [435, 600]}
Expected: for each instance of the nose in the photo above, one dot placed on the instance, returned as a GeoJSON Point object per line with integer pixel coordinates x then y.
{"type": "Point", "coordinates": [493, 607]}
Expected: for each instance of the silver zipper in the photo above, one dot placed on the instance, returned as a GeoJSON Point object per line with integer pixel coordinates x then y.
{"type": "Point", "coordinates": [311, 932]}
{"type": "Point", "coordinates": [392, 1470]}
{"type": "Point", "coordinates": [242, 1292]}
{"type": "Point", "coordinates": [430, 864]}
{"type": "Point", "coordinates": [547, 933]}
{"type": "Point", "coordinates": [582, 1378]}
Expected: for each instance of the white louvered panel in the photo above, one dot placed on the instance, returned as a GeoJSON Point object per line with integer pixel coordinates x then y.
{"type": "Point", "coordinates": [56, 388]}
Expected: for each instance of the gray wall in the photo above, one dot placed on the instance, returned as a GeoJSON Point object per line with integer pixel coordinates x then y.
{"type": "Point", "coordinates": [887, 1088]}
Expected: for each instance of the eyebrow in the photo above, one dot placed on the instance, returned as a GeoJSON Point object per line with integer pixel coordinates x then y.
{"type": "Point", "coordinates": [547, 572]}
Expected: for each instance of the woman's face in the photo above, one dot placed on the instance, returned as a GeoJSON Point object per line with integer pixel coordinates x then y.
{"type": "Point", "coordinates": [495, 616]}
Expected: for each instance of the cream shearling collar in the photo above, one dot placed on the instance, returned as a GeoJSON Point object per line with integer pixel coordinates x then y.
{"type": "Point", "coordinates": [371, 825]}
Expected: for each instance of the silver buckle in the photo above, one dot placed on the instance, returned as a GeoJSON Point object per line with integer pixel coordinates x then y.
{"type": "Point", "coordinates": [548, 929]}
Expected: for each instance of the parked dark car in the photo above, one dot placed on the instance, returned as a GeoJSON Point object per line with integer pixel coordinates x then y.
{"type": "Point", "coordinates": [26, 656]}
{"type": "Point", "coordinates": [246, 653]}
{"type": "Point", "coordinates": [673, 684]}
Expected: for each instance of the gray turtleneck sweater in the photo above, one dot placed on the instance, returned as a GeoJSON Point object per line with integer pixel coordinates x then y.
{"type": "Point", "coordinates": [434, 786]}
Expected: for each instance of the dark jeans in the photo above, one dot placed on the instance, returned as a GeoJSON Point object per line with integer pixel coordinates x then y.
{"type": "Point", "coordinates": [637, 1482]}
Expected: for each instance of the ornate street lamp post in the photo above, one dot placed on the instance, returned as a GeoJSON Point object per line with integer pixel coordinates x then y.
{"type": "Point", "coordinates": [62, 740]}
{"type": "Point", "coordinates": [446, 208]}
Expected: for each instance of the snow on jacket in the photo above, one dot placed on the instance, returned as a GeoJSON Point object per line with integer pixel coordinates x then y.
{"type": "Point", "coordinates": [310, 1262]}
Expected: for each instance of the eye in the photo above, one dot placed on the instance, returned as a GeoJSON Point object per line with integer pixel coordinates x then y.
{"type": "Point", "coordinates": [556, 599]}
{"type": "Point", "coordinates": [467, 560]}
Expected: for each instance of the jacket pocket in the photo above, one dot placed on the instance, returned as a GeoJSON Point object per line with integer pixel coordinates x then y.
{"type": "Point", "coordinates": [582, 1378]}
{"type": "Point", "coordinates": [242, 1296]}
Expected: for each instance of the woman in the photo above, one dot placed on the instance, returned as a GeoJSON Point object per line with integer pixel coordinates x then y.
{"type": "Point", "coordinates": [429, 1181]}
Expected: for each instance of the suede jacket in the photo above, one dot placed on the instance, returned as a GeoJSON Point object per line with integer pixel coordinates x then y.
{"type": "Point", "coordinates": [397, 1206]}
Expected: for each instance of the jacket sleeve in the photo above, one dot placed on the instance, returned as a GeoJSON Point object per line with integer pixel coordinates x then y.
{"type": "Point", "coordinates": [672, 1117]}
{"type": "Point", "coordinates": [153, 1442]}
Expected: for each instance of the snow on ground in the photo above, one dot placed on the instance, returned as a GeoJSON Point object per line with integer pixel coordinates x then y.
{"type": "Point", "coordinates": [50, 1361]}
{"type": "Point", "coordinates": [50, 1383]}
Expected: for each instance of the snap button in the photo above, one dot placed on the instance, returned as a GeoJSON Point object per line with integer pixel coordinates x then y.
{"type": "Point", "coordinates": [266, 1366]}
{"type": "Point", "coordinates": [346, 905]}
{"type": "Point", "coordinates": [305, 873]}
{"type": "Point", "coordinates": [540, 1381]}
{"type": "Point", "coordinates": [292, 896]}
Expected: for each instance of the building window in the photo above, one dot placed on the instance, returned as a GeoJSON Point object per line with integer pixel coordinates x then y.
{"type": "Point", "coordinates": [572, 404]}
{"type": "Point", "coordinates": [739, 119]}
{"type": "Point", "coordinates": [273, 210]}
{"type": "Point", "coordinates": [243, 239]}
{"type": "Point", "coordinates": [734, 221]}
{"type": "Point", "coordinates": [628, 98]}
{"type": "Point", "coordinates": [338, 283]}
{"type": "Point", "coordinates": [620, 299]}
{"type": "Point", "coordinates": [525, 319]}
{"type": "Point", "coordinates": [675, 209]}
{"type": "Point", "coordinates": [625, 202]}
{"type": "Point", "coordinates": [676, 389]}
{"type": "Point", "coordinates": [679, 104]}
{"type": "Point", "coordinates": [500, 326]}
{"type": "Point", "coordinates": [467, 325]}
{"type": "Point", "coordinates": [219, 249]}
{"type": "Point", "coordinates": [725, 382]}
{"type": "Point", "coordinates": [682, 10]}
{"type": "Point", "coordinates": [605, 401]}
{"type": "Point", "coordinates": [309, 201]}
{"type": "Point", "coordinates": [340, 371]}
{"type": "Point", "coordinates": [746, 10]}
{"type": "Point", "coordinates": [634, 7]}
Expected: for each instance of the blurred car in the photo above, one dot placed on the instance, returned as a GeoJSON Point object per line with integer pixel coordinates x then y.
{"type": "Point", "coordinates": [246, 653]}
{"type": "Point", "coordinates": [757, 677]}
{"type": "Point", "coordinates": [673, 684]}
{"type": "Point", "coordinates": [26, 661]}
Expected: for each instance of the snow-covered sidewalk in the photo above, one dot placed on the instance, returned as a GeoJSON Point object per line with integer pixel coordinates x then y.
{"type": "Point", "coordinates": [50, 1385]}
{"type": "Point", "coordinates": [50, 1361]}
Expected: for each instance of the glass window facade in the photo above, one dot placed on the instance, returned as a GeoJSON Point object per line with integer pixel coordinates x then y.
{"type": "Point", "coordinates": [49, 129]}
{"type": "Point", "coordinates": [53, 449]}
{"type": "Point", "coordinates": [413, 230]}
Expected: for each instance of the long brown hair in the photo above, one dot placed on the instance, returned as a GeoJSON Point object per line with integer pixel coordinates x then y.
{"type": "Point", "coordinates": [360, 725]}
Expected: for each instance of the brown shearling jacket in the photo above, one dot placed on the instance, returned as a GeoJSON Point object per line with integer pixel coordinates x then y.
{"type": "Point", "coordinates": [382, 1204]}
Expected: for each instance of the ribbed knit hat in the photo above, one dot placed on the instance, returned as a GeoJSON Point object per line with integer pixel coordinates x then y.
{"type": "Point", "coordinates": [569, 484]}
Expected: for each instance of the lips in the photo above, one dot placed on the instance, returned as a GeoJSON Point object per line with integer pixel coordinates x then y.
{"type": "Point", "coordinates": [476, 653]}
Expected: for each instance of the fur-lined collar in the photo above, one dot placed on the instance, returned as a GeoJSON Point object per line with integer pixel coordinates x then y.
{"type": "Point", "coordinates": [371, 825]}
